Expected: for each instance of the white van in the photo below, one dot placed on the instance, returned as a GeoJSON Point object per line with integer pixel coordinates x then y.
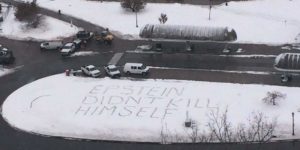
{"type": "Point", "coordinates": [136, 68]}
{"type": "Point", "coordinates": [51, 45]}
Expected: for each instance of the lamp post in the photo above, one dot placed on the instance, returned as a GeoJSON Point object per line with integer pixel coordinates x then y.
{"type": "Point", "coordinates": [134, 8]}
{"type": "Point", "coordinates": [210, 6]}
{"type": "Point", "coordinates": [293, 133]}
{"type": "Point", "coordinates": [136, 19]}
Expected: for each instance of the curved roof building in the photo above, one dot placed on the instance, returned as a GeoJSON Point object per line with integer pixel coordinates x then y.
{"type": "Point", "coordinates": [289, 62]}
{"type": "Point", "coordinates": [181, 32]}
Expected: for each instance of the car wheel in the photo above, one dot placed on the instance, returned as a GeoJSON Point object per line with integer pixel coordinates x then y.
{"type": "Point", "coordinates": [128, 73]}
{"type": "Point", "coordinates": [144, 73]}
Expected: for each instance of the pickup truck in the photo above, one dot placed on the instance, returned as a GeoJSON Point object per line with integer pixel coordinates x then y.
{"type": "Point", "coordinates": [91, 70]}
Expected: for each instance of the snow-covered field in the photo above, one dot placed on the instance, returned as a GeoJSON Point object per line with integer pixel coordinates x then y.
{"type": "Point", "coordinates": [50, 29]}
{"type": "Point", "coordinates": [259, 21]}
{"type": "Point", "coordinates": [140, 110]}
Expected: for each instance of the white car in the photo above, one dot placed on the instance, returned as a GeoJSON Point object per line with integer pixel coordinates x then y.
{"type": "Point", "coordinates": [68, 49]}
{"type": "Point", "coordinates": [136, 68]}
{"type": "Point", "coordinates": [91, 70]}
{"type": "Point", "coordinates": [112, 71]}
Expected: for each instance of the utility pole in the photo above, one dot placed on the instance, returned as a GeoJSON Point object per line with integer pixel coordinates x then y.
{"type": "Point", "coordinates": [293, 114]}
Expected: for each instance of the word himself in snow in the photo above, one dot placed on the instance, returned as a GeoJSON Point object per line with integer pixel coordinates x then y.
{"type": "Point", "coordinates": [137, 101]}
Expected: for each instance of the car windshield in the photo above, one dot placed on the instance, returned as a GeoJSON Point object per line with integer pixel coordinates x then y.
{"type": "Point", "coordinates": [113, 69]}
{"type": "Point", "coordinates": [92, 68]}
{"type": "Point", "coordinates": [67, 47]}
{"type": "Point", "coordinates": [143, 67]}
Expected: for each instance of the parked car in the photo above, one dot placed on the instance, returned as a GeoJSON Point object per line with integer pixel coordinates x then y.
{"type": "Point", "coordinates": [6, 56]}
{"type": "Point", "coordinates": [51, 45]}
{"type": "Point", "coordinates": [68, 49]}
{"type": "Point", "coordinates": [112, 71]}
{"type": "Point", "coordinates": [136, 68]}
{"type": "Point", "coordinates": [91, 70]}
{"type": "Point", "coordinates": [78, 43]}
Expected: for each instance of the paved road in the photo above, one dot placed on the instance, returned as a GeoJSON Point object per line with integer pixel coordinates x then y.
{"type": "Point", "coordinates": [37, 64]}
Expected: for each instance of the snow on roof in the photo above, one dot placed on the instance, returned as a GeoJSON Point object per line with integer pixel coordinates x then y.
{"type": "Point", "coordinates": [111, 66]}
{"type": "Point", "coordinates": [90, 66]}
{"type": "Point", "coordinates": [134, 64]}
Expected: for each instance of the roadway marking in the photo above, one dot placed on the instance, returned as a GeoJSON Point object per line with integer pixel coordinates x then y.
{"type": "Point", "coordinates": [225, 71]}
{"type": "Point", "coordinates": [115, 59]}
{"type": "Point", "coordinates": [237, 55]}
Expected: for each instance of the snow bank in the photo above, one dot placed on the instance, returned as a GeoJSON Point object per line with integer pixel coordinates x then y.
{"type": "Point", "coordinates": [50, 29]}
{"type": "Point", "coordinates": [4, 71]}
{"type": "Point", "coordinates": [84, 53]}
{"type": "Point", "coordinates": [138, 110]}
{"type": "Point", "coordinates": [262, 21]}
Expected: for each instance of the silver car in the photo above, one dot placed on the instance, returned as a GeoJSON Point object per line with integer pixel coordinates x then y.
{"type": "Point", "coordinates": [112, 71]}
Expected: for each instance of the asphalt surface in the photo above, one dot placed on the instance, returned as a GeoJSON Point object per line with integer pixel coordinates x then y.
{"type": "Point", "coordinates": [34, 64]}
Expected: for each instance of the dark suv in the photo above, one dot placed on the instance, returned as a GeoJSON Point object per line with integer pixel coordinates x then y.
{"type": "Point", "coordinates": [6, 56]}
{"type": "Point", "coordinates": [84, 35]}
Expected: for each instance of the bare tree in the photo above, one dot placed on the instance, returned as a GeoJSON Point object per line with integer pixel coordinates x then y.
{"type": "Point", "coordinates": [192, 131]}
{"type": "Point", "coordinates": [220, 127]}
{"type": "Point", "coordinates": [273, 97]}
{"type": "Point", "coordinates": [259, 129]}
{"type": "Point", "coordinates": [165, 135]}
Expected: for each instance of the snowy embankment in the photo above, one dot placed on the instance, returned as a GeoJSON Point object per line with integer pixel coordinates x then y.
{"type": "Point", "coordinates": [49, 29]}
{"type": "Point", "coordinates": [4, 71]}
{"type": "Point", "coordinates": [260, 21]}
{"type": "Point", "coordinates": [141, 110]}
{"type": "Point", "coordinates": [84, 53]}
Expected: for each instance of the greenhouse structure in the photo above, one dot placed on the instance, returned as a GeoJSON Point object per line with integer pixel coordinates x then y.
{"type": "Point", "coordinates": [289, 62]}
{"type": "Point", "coordinates": [181, 32]}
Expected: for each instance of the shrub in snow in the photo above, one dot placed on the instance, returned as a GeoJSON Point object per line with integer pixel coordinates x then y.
{"type": "Point", "coordinates": [163, 18]}
{"type": "Point", "coordinates": [28, 12]}
{"type": "Point", "coordinates": [134, 5]}
{"type": "Point", "coordinates": [274, 97]}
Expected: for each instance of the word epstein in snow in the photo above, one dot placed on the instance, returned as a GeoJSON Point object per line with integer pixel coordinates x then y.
{"type": "Point", "coordinates": [137, 90]}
